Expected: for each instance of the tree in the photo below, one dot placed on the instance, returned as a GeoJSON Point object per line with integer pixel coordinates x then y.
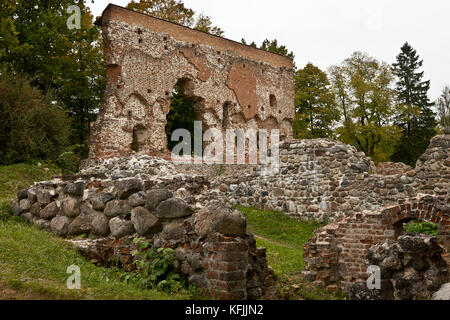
{"type": "Point", "coordinates": [272, 46]}
{"type": "Point", "coordinates": [32, 126]}
{"type": "Point", "coordinates": [175, 11]}
{"type": "Point", "coordinates": [315, 108]}
{"type": "Point", "coordinates": [363, 89]}
{"type": "Point", "coordinates": [68, 63]}
{"type": "Point", "coordinates": [416, 119]}
{"type": "Point", "coordinates": [180, 116]}
{"type": "Point", "coordinates": [443, 108]}
{"type": "Point", "coordinates": [204, 24]}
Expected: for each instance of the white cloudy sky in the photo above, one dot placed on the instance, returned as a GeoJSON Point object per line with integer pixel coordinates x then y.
{"type": "Point", "coordinates": [325, 32]}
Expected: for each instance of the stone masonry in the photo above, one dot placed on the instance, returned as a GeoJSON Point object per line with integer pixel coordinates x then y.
{"type": "Point", "coordinates": [322, 179]}
{"type": "Point", "coordinates": [169, 209]}
{"type": "Point", "coordinates": [230, 84]}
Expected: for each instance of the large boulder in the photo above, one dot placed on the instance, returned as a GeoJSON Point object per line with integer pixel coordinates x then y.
{"type": "Point", "coordinates": [155, 197]}
{"type": "Point", "coordinates": [100, 200]}
{"type": "Point", "coordinates": [76, 189]}
{"type": "Point", "coordinates": [173, 231]}
{"type": "Point", "coordinates": [22, 194]}
{"type": "Point", "coordinates": [173, 208]}
{"type": "Point", "coordinates": [36, 209]}
{"type": "Point", "coordinates": [117, 208]}
{"type": "Point", "coordinates": [49, 212]}
{"type": "Point", "coordinates": [25, 204]}
{"type": "Point", "coordinates": [100, 225]}
{"type": "Point", "coordinates": [44, 195]}
{"type": "Point", "coordinates": [145, 222]}
{"type": "Point", "coordinates": [127, 187]}
{"type": "Point", "coordinates": [60, 225]}
{"type": "Point", "coordinates": [220, 218]}
{"type": "Point", "coordinates": [137, 199]}
{"type": "Point", "coordinates": [80, 225]}
{"type": "Point", "coordinates": [71, 207]}
{"type": "Point", "coordinates": [120, 227]}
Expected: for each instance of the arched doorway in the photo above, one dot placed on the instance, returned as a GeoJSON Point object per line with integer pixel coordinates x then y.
{"type": "Point", "coordinates": [182, 112]}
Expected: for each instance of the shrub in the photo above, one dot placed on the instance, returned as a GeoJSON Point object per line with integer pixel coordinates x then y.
{"type": "Point", "coordinates": [32, 126]}
{"type": "Point", "coordinates": [69, 161]}
{"type": "Point", "coordinates": [156, 268]}
{"type": "Point", "coordinates": [424, 227]}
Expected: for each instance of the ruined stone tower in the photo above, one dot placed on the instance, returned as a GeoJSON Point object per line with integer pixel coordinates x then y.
{"type": "Point", "coordinates": [230, 84]}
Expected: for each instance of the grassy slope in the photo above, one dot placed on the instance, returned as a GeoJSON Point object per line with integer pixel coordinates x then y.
{"type": "Point", "coordinates": [33, 263]}
{"type": "Point", "coordinates": [284, 239]}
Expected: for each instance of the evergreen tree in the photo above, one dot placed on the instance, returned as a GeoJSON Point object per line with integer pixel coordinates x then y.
{"type": "Point", "coordinates": [416, 118]}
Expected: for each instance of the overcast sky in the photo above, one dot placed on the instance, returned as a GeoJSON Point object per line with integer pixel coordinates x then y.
{"type": "Point", "coordinates": [325, 32]}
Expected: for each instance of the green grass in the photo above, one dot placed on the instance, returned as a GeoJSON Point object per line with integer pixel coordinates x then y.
{"type": "Point", "coordinates": [19, 176]}
{"type": "Point", "coordinates": [284, 239]}
{"type": "Point", "coordinates": [283, 260]}
{"type": "Point", "coordinates": [278, 227]}
{"type": "Point", "coordinates": [36, 261]}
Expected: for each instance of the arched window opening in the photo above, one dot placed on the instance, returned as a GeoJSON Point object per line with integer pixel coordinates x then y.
{"type": "Point", "coordinates": [182, 114]}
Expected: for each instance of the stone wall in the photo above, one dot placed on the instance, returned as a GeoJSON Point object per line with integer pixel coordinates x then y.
{"type": "Point", "coordinates": [411, 268]}
{"type": "Point", "coordinates": [213, 249]}
{"type": "Point", "coordinates": [336, 255]}
{"type": "Point", "coordinates": [230, 84]}
{"type": "Point", "coordinates": [323, 179]}
{"type": "Point", "coordinates": [318, 179]}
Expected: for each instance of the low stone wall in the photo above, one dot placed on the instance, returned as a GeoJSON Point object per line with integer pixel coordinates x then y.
{"type": "Point", "coordinates": [411, 268]}
{"type": "Point", "coordinates": [323, 179]}
{"type": "Point", "coordinates": [336, 255]}
{"type": "Point", "coordinates": [213, 249]}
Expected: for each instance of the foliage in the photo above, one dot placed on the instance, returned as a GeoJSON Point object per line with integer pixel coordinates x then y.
{"type": "Point", "coordinates": [315, 108]}
{"type": "Point", "coordinates": [424, 227]}
{"type": "Point", "coordinates": [32, 126]}
{"type": "Point", "coordinates": [415, 119]}
{"type": "Point", "coordinates": [443, 108]}
{"type": "Point", "coordinates": [204, 24]}
{"type": "Point", "coordinates": [155, 267]}
{"type": "Point", "coordinates": [272, 46]}
{"type": "Point", "coordinates": [364, 94]}
{"type": "Point", "coordinates": [180, 116]}
{"type": "Point", "coordinates": [36, 41]}
{"type": "Point", "coordinates": [175, 11]}
{"type": "Point", "coordinates": [69, 161]}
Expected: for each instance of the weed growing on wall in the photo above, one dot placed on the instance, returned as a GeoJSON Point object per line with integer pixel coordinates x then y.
{"type": "Point", "coordinates": [155, 267]}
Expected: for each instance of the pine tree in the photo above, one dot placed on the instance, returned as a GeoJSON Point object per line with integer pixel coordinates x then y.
{"type": "Point", "coordinates": [416, 118]}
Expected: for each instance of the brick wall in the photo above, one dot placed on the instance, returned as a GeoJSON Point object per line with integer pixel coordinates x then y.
{"type": "Point", "coordinates": [336, 255]}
